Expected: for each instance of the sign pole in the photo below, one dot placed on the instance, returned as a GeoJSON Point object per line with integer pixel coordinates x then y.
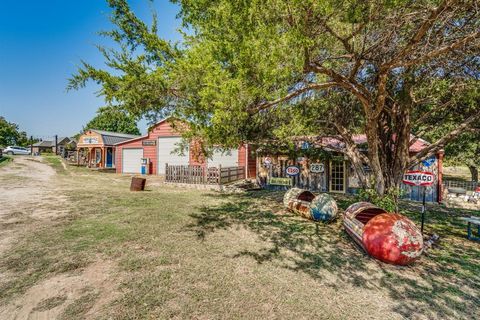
{"type": "Point", "coordinates": [423, 207]}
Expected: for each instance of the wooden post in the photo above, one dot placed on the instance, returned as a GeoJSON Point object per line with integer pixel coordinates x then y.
{"type": "Point", "coordinates": [103, 161]}
{"type": "Point", "coordinates": [166, 171]}
{"type": "Point", "coordinates": [440, 177]}
{"type": "Point", "coordinates": [56, 145]}
{"type": "Point", "coordinates": [219, 174]}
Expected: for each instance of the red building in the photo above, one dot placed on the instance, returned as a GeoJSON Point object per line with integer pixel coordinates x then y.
{"type": "Point", "coordinates": [159, 147]}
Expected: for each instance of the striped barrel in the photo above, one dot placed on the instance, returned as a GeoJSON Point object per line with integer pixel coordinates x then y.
{"type": "Point", "coordinates": [388, 237]}
{"type": "Point", "coordinates": [304, 203]}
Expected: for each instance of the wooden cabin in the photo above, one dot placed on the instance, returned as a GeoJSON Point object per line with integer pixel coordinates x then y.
{"type": "Point", "coordinates": [320, 168]}
{"type": "Point", "coordinates": [96, 148]}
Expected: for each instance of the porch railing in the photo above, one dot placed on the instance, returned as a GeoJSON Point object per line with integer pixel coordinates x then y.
{"type": "Point", "coordinates": [203, 175]}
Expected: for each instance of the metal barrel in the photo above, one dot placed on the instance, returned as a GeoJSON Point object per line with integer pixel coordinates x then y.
{"type": "Point", "coordinates": [388, 237]}
{"type": "Point", "coordinates": [137, 184]}
{"type": "Point", "coordinates": [355, 218]}
{"type": "Point", "coordinates": [304, 203]}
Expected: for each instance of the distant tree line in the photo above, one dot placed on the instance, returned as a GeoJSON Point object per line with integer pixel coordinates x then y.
{"type": "Point", "coordinates": [10, 134]}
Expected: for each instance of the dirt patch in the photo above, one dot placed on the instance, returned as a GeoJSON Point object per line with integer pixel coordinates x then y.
{"type": "Point", "coordinates": [29, 194]}
{"type": "Point", "coordinates": [65, 293]}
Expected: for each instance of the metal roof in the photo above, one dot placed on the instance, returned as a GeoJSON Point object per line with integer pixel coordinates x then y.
{"type": "Point", "coordinates": [112, 138]}
{"type": "Point", "coordinates": [48, 143]}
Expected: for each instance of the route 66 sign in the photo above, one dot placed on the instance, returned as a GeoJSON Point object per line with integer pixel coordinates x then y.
{"type": "Point", "coordinates": [292, 171]}
{"type": "Point", "coordinates": [317, 168]}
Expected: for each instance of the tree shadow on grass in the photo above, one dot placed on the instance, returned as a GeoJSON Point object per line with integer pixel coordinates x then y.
{"type": "Point", "coordinates": [443, 284]}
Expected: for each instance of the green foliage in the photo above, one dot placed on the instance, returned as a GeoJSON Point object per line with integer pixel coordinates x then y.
{"type": "Point", "coordinates": [114, 120]}
{"type": "Point", "coordinates": [10, 134]}
{"type": "Point", "coordinates": [249, 71]}
{"type": "Point", "coordinates": [388, 201]}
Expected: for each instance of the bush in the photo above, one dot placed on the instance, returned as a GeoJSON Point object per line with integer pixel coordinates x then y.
{"type": "Point", "coordinates": [389, 201]}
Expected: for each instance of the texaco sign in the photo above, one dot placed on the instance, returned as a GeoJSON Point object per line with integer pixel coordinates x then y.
{"type": "Point", "coordinates": [419, 178]}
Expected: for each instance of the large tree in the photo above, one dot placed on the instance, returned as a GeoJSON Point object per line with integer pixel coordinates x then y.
{"type": "Point", "coordinates": [11, 135]}
{"type": "Point", "coordinates": [114, 120]}
{"type": "Point", "coordinates": [380, 67]}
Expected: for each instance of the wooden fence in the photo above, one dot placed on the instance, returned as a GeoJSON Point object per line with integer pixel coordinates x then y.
{"type": "Point", "coordinates": [203, 175]}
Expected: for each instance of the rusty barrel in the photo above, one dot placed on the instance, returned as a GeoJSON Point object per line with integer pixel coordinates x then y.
{"type": "Point", "coordinates": [137, 184]}
{"type": "Point", "coordinates": [318, 208]}
{"type": "Point", "coordinates": [388, 237]}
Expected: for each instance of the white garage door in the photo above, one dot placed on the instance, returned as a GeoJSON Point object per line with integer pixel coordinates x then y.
{"type": "Point", "coordinates": [166, 146]}
{"type": "Point", "coordinates": [225, 159]}
{"type": "Point", "coordinates": [132, 160]}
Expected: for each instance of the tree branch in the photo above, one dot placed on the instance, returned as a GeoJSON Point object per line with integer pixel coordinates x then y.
{"type": "Point", "coordinates": [291, 95]}
{"type": "Point", "coordinates": [435, 53]}
{"type": "Point", "coordinates": [433, 148]}
{"type": "Point", "coordinates": [422, 30]}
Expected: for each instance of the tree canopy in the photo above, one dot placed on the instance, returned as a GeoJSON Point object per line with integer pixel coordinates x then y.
{"type": "Point", "coordinates": [10, 135]}
{"type": "Point", "coordinates": [269, 70]}
{"type": "Point", "coordinates": [114, 120]}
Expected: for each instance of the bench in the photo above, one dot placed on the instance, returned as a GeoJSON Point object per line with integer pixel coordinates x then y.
{"type": "Point", "coordinates": [472, 221]}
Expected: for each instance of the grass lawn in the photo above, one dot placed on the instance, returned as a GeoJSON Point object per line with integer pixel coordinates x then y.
{"type": "Point", "coordinates": [5, 160]}
{"type": "Point", "coordinates": [181, 253]}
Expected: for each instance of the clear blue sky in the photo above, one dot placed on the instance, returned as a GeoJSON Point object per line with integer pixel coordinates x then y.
{"type": "Point", "coordinates": [41, 45]}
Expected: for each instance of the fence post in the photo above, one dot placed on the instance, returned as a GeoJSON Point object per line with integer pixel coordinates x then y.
{"type": "Point", "coordinates": [166, 172]}
{"type": "Point", "coordinates": [219, 174]}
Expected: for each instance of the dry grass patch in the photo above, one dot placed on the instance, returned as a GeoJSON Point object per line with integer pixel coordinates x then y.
{"type": "Point", "coordinates": [194, 254]}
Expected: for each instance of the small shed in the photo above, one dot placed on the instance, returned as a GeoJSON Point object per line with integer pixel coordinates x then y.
{"type": "Point", "coordinates": [97, 147]}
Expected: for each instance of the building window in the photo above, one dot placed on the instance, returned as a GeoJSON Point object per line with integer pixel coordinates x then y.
{"type": "Point", "coordinates": [337, 176]}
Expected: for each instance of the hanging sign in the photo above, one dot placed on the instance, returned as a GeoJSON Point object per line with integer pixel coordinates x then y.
{"type": "Point", "coordinates": [267, 161]}
{"type": "Point", "coordinates": [419, 178]}
{"type": "Point", "coordinates": [317, 168]}
{"type": "Point", "coordinates": [292, 171]}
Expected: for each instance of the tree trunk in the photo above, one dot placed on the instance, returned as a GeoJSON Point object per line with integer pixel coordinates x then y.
{"type": "Point", "coordinates": [373, 141]}
{"type": "Point", "coordinates": [474, 173]}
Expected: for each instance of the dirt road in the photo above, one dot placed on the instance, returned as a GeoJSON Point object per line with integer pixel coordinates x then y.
{"type": "Point", "coordinates": [28, 198]}
{"type": "Point", "coordinates": [31, 197]}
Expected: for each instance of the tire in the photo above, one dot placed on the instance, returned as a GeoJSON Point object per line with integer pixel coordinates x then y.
{"type": "Point", "coordinates": [10, 153]}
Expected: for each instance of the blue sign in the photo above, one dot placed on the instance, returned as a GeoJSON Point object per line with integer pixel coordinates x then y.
{"type": "Point", "coordinates": [305, 145]}
{"type": "Point", "coordinates": [429, 162]}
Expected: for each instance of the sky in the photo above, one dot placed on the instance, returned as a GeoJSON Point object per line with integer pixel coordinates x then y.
{"type": "Point", "coordinates": [41, 46]}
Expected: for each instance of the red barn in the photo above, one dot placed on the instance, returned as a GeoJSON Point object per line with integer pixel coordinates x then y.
{"type": "Point", "coordinates": [159, 145]}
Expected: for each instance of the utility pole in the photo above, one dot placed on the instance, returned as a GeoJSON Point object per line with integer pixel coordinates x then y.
{"type": "Point", "coordinates": [56, 145]}
{"type": "Point", "coordinates": [31, 145]}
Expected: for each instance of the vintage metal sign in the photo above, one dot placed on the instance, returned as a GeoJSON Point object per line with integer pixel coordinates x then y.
{"type": "Point", "coordinates": [149, 142]}
{"type": "Point", "coordinates": [90, 140]}
{"type": "Point", "coordinates": [267, 161]}
{"type": "Point", "coordinates": [317, 168]}
{"type": "Point", "coordinates": [280, 181]}
{"type": "Point", "coordinates": [429, 162]}
{"type": "Point", "coordinates": [292, 171]}
{"type": "Point", "coordinates": [419, 178]}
